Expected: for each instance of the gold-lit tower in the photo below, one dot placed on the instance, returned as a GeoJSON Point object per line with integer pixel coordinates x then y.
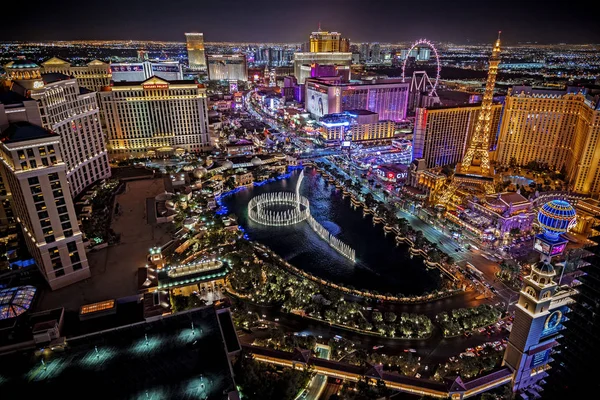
{"type": "Point", "coordinates": [478, 151]}
{"type": "Point", "coordinates": [475, 171]}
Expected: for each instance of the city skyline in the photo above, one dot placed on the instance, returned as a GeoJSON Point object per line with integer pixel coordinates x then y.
{"type": "Point", "coordinates": [383, 20]}
{"type": "Point", "coordinates": [258, 219]}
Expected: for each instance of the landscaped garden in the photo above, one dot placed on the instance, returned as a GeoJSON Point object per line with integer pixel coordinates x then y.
{"type": "Point", "coordinates": [96, 225]}
{"type": "Point", "coordinates": [265, 283]}
{"type": "Point", "coordinates": [259, 381]}
{"type": "Point", "coordinates": [461, 320]}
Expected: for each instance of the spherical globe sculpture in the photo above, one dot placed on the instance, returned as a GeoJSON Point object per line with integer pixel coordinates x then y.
{"type": "Point", "coordinates": [556, 217]}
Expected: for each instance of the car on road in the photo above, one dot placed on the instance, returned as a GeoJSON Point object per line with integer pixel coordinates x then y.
{"type": "Point", "coordinates": [481, 330]}
{"type": "Point", "coordinates": [377, 347]}
{"type": "Point", "coordinates": [468, 334]}
{"type": "Point", "coordinates": [410, 350]}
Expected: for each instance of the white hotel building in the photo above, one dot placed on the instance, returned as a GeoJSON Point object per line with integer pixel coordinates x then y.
{"type": "Point", "coordinates": [32, 165]}
{"type": "Point", "coordinates": [57, 103]}
{"type": "Point", "coordinates": [155, 117]}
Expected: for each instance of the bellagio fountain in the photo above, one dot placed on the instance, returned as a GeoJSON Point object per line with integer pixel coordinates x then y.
{"type": "Point", "coordinates": [289, 208]}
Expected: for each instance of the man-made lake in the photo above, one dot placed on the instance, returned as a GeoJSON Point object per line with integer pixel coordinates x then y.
{"type": "Point", "coordinates": [380, 264]}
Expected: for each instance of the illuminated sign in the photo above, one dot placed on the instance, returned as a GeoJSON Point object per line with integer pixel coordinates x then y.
{"type": "Point", "coordinates": [540, 358]}
{"type": "Point", "coordinates": [558, 249]}
{"type": "Point", "coordinates": [38, 84]}
{"type": "Point", "coordinates": [127, 68]}
{"type": "Point", "coordinates": [165, 68]}
{"type": "Point", "coordinates": [541, 246]}
{"type": "Point", "coordinates": [317, 103]}
{"type": "Point", "coordinates": [346, 143]}
{"type": "Point", "coordinates": [155, 86]}
{"type": "Point", "coordinates": [548, 248]}
{"type": "Point", "coordinates": [334, 124]}
{"type": "Point", "coordinates": [553, 324]}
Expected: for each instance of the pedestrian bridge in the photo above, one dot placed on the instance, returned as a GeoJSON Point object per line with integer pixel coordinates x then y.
{"type": "Point", "coordinates": [455, 388]}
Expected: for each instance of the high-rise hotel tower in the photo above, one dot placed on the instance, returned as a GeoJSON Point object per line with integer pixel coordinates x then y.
{"type": "Point", "coordinates": [32, 163]}
{"type": "Point", "coordinates": [558, 128]}
{"type": "Point", "coordinates": [155, 117]}
{"type": "Point", "coordinates": [56, 102]}
{"type": "Point", "coordinates": [195, 50]}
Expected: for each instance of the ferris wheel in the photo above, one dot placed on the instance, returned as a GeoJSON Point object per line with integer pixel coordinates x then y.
{"type": "Point", "coordinates": [420, 43]}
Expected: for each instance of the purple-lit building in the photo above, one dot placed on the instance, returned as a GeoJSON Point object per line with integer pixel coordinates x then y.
{"type": "Point", "coordinates": [501, 212]}
{"type": "Point", "coordinates": [386, 97]}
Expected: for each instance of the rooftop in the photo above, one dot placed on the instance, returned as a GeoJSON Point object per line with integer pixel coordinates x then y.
{"type": "Point", "coordinates": [360, 112]}
{"type": "Point", "coordinates": [177, 357]}
{"type": "Point", "coordinates": [9, 97]}
{"type": "Point", "coordinates": [22, 131]}
{"type": "Point", "coordinates": [15, 301]}
{"type": "Point", "coordinates": [507, 198]}
{"type": "Point", "coordinates": [21, 64]}
{"type": "Point", "coordinates": [54, 77]}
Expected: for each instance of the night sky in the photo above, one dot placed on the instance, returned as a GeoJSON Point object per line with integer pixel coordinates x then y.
{"type": "Point", "coordinates": [460, 21]}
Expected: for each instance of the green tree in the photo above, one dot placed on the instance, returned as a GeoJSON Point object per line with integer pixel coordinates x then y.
{"type": "Point", "coordinates": [389, 317]}
{"type": "Point", "coordinates": [376, 316]}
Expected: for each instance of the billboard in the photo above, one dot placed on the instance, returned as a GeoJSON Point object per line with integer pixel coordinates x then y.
{"type": "Point", "coordinates": [165, 68]}
{"type": "Point", "coordinates": [558, 249]}
{"type": "Point", "coordinates": [541, 246]}
{"type": "Point", "coordinates": [317, 102]}
{"type": "Point", "coordinates": [127, 68]}
{"type": "Point", "coordinates": [540, 358]}
{"type": "Point", "coordinates": [553, 322]}
{"type": "Point", "coordinates": [547, 247]}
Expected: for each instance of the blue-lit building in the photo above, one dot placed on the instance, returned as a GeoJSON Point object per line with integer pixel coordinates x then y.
{"type": "Point", "coordinates": [542, 307]}
{"type": "Point", "coordinates": [356, 126]}
{"type": "Point", "coordinates": [441, 133]}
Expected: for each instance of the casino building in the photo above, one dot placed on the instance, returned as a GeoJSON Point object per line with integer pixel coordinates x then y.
{"type": "Point", "coordinates": [92, 76]}
{"type": "Point", "coordinates": [227, 67]}
{"type": "Point", "coordinates": [140, 71]}
{"type": "Point", "coordinates": [386, 97]}
{"type": "Point", "coordinates": [542, 306]}
{"type": "Point", "coordinates": [155, 117]}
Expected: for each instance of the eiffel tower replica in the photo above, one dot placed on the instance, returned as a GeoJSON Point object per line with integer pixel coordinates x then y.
{"type": "Point", "coordinates": [475, 172]}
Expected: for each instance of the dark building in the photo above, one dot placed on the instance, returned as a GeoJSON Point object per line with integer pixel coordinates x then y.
{"type": "Point", "coordinates": [574, 374]}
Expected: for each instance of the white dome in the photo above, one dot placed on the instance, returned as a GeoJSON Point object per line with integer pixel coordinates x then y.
{"type": "Point", "coordinates": [200, 172]}
{"type": "Point", "coordinates": [256, 161]}
{"type": "Point", "coordinates": [228, 164]}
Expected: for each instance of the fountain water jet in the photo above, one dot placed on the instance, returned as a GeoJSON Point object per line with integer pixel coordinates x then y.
{"type": "Point", "coordinates": [260, 211]}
